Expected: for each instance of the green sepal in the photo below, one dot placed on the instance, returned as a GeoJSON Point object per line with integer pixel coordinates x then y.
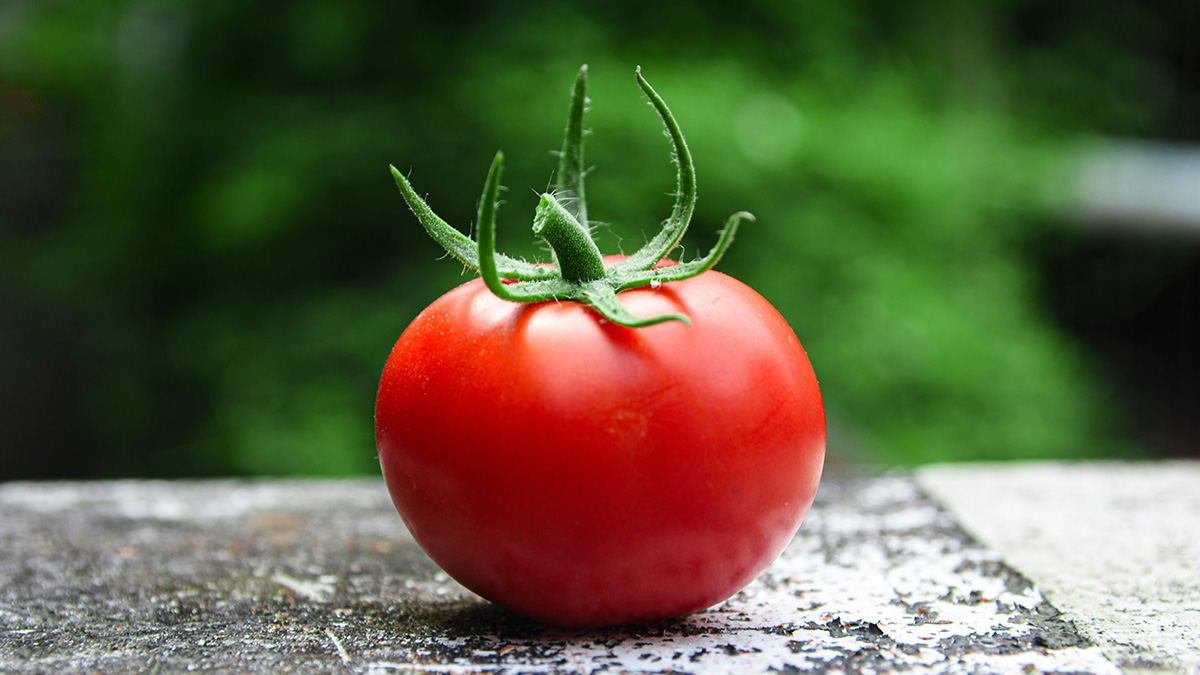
{"type": "Point", "coordinates": [685, 190]}
{"type": "Point", "coordinates": [571, 171]}
{"type": "Point", "coordinates": [686, 270]}
{"type": "Point", "coordinates": [603, 298]}
{"type": "Point", "coordinates": [458, 244]}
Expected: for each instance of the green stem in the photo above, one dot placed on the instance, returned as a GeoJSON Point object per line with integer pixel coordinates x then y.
{"type": "Point", "coordinates": [578, 257]}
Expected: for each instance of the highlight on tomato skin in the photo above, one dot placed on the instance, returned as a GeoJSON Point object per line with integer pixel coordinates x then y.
{"type": "Point", "coordinates": [604, 440]}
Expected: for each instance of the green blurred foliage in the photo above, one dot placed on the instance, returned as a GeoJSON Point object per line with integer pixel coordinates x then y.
{"type": "Point", "coordinates": [203, 260]}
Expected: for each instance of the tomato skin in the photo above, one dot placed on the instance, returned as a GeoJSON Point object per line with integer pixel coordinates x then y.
{"type": "Point", "coordinates": [586, 474]}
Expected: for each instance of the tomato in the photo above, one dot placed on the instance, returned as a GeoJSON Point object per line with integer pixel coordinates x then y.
{"type": "Point", "coordinates": [588, 474]}
{"type": "Point", "coordinates": [579, 464]}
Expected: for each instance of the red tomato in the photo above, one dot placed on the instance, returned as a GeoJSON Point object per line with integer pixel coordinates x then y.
{"type": "Point", "coordinates": [586, 474]}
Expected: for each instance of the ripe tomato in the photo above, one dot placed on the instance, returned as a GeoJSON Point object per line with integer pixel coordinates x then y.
{"type": "Point", "coordinates": [606, 440]}
{"type": "Point", "coordinates": [583, 473]}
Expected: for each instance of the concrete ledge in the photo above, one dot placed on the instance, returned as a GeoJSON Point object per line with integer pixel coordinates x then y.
{"type": "Point", "coordinates": [1116, 546]}
{"type": "Point", "coordinates": [320, 576]}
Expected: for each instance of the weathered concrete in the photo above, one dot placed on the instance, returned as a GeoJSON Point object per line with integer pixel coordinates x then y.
{"type": "Point", "coordinates": [321, 577]}
{"type": "Point", "coordinates": [1115, 546]}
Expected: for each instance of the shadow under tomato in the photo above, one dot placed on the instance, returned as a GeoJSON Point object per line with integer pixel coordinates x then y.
{"type": "Point", "coordinates": [473, 617]}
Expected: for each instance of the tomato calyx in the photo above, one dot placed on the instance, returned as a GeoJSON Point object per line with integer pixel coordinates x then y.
{"type": "Point", "coordinates": [561, 221]}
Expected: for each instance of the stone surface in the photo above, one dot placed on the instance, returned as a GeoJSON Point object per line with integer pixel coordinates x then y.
{"type": "Point", "coordinates": [320, 576]}
{"type": "Point", "coordinates": [1114, 545]}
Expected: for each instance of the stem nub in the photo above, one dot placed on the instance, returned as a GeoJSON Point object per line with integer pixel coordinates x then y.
{"type": "Point", "coordinates": [575, 251]}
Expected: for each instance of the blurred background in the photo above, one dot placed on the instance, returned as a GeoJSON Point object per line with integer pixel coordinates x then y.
{"type": "Point", "coordinates": [979, 217]}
